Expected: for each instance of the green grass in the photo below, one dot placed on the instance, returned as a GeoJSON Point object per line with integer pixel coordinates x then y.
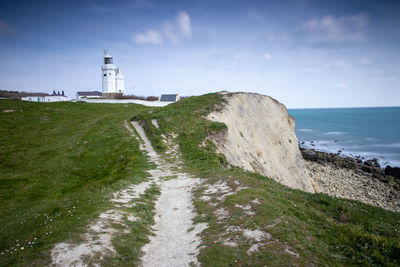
{"type": "Point", "coordinates": [65, 159]}
{"type": "Point", "coordinates": [59, 163]}
{"type": "Point", "coordinates": [323, 230]}
{"type": "Point", "coordinates": [128, 246]}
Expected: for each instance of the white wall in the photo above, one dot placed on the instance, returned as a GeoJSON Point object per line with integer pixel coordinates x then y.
{"type": "Point", "coordinates": [124, 101]}
{"type": "Point", "coordinates": [80, 97]}
{"type": "Point", "coordinates": [109, 79]}
{"type": "Point", "coordinates": [51, 98]}
{"type": "Point", "coordinates": [119, 84]}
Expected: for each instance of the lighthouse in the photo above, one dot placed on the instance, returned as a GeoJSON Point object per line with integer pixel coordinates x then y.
{"type": "Point", "coordinates": [113, 80]}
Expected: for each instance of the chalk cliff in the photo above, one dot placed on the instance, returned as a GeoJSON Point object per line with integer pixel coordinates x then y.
{"type": "Point", "coordinates": [260, 138]}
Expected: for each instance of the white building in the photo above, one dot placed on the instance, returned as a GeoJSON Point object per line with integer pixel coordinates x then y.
{"type": "Point", "coordinates": [113, 80]}
{"type": "Point", "coordinates": [47, 98]}
{"type": "Point", "coordinates": [88, 95]}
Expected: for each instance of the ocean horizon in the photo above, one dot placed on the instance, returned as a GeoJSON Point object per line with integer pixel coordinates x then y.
{"type": "Point", "coordinates": [368, 132]}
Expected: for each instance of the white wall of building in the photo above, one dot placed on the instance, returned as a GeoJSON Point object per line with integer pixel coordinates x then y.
{"type": "Point", "coordinates": [50, 98]}
{"type": "Point", "coordinates": [108, 71]}
{"type": "Point", "coordinates": [119, 81]}
{"type": "Point", "coordinates": [80, 97]}
{"type": "Point", "coordinates": [127, 101]}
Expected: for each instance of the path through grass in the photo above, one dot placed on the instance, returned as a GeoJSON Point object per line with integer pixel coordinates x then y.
{"type": "Point", "coordinates": [293, 227]}
{"type": "Point", "coordinates": [59, 164]}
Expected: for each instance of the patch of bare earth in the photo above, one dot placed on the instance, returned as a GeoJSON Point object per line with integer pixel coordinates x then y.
{"type": "Point", "coordinates": [175, 241]}
{"type": "Point", "coordinates": [233, 236]}
{"type": "Point", "coordinates": [98, 238]}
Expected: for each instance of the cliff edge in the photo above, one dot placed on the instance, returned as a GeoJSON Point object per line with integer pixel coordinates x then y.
{"type": "Point", "coordinates": [261, 138]}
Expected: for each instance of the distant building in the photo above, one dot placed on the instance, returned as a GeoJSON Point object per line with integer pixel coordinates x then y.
{"type": "Point", "coordinates": [47, 98]}
{"type": "Point", "coordinates": [113, 80]}
{"type": "Point", "coordinates": [169, 98]}
{"type": "Point", "coordinates": [87, 94]}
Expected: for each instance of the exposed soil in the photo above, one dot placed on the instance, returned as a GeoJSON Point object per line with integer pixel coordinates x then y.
{"type": "Point", "coordinates": [215, 194]}
{"type": "Point", "coordinates": [97, 240]}
{"type": "Point", "coordinates": [175, 241]}
{"type": "Point", "coordinates": [260, 138]}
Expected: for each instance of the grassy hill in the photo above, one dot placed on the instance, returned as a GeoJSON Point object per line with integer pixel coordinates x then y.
{"type": "Point", "coordinates": [59, 163]}
{"type": "Point", "coordinates": [322, 229]}
{"type": "Point", "coordinates": [18, 95]}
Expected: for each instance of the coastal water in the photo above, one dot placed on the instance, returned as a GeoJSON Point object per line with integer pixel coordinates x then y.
{"type": "Point", "coordinates": [366, 132]}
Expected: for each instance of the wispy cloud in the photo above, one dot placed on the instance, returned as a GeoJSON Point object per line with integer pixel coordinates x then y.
{"type": "Point", "coordinates": [267, 56]}
{"type": "Point", "coordinates": [96, 7]}
{"type": "Point", "coordinates": [173, 32]}
{"type": "Point", "coordinates": [342, 85]}
{"type": "Point", "coordinates": [341, 64]}
{"type": "Point", "coordinates": [336, 30]}
{"type": "Point", "coordinates": [183, 24]}
{"type": "Point", "coordinates": [149, 37]}
{"type": "Point", "coordinates": [279, 36]}
{"type": "Point", "coordinates": [313, 70]}
{"type": "Point", "coordinates": [365, 61]}
{"type": "Point", "coordinates": [385, 79]}
{"type": "Point", "coordinates": [5, 27]}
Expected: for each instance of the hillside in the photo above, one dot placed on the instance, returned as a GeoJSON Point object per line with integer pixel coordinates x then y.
{"type": "Point", "coordinates": [18, 95]}
{"type": "Point", "coordinates": [59, 164]}
{"type": "Point", "coordinates": [65, 159]}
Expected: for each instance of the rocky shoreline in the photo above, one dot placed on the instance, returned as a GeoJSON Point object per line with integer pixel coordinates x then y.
{"type": "Point", "coordinates": [354, 178]}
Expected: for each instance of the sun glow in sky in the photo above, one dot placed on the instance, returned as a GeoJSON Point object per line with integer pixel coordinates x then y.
{"type": "Point", "coordinates": [303, 53]}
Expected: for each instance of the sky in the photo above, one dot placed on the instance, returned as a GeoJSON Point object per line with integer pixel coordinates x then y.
{"type": "Point", "coordinates": [306, 54]}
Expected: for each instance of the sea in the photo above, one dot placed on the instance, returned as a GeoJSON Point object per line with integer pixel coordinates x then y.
{"type": "Point", "coordinates": [365, 132]}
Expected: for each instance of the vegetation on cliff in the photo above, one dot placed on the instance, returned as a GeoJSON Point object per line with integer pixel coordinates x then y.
{"type": "Point", "coordinates": [61, 161]}
{"type": "Point", "coordinates": [323, 230]}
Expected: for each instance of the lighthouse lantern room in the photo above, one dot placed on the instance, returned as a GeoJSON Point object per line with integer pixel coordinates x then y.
{"type": "Point", "coordinates": [113, 80]}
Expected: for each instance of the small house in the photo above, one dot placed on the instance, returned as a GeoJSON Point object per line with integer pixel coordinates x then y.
{"type": "Point", "coordinates": [88, 94]}
{"type": "Point", "coordinates": [47, 98]}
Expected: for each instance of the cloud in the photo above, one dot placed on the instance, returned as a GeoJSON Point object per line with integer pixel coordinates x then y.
{"type": "Point", "coordinates": [267, 56]}
{"type": "Point", "coordinates": [342, 85]}
{"type": "Point", "coordinates": [365, 61]}
{"type": "Point", "coordinates": [95, 8]}
{"type": "Point", "coordinates": [173, 32]}
{"type": "Point", "coordinates": [142, 4]}
{"type": "Point", "coordinates": [150, 37]}
{"type": "Point", "coordinates": [183, 24]}
{"type": "Point", "coordinates": [170, 33]}
{"type": "Point", "coordinates": [385, 79]}
{"type": "Point", "coordinates": [4, 27]}
{"type": "Point", "coordinates": [336, 30]}
{"type": "Point", "coordinates": [313, 70]}
{"type": "Point", "coordinates": [279, 36]}
{"type": "Point", "coordinates": [341, 64]}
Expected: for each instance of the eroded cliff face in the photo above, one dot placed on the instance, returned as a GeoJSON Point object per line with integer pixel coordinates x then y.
{"type": "Point", "coordinates": [260, 138]}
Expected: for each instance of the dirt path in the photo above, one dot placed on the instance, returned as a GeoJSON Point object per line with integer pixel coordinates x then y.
{"type": "Point", "coordinates": [175, 241]}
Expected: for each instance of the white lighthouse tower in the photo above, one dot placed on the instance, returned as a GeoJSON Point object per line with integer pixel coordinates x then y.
{"type": "Point", "coordinates": [113, 80]}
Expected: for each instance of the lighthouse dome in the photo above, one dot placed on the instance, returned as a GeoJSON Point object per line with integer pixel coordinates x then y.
{"type": "Point", "coordinates": [108, 59]}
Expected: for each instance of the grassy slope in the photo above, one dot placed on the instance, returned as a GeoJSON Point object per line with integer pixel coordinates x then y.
{"type": "Point", "coordinates": [59, 162]}
{"type": "Point", "coordinates": [64, 159]}
{"type": "Point", "coordinates": [322, 229]}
